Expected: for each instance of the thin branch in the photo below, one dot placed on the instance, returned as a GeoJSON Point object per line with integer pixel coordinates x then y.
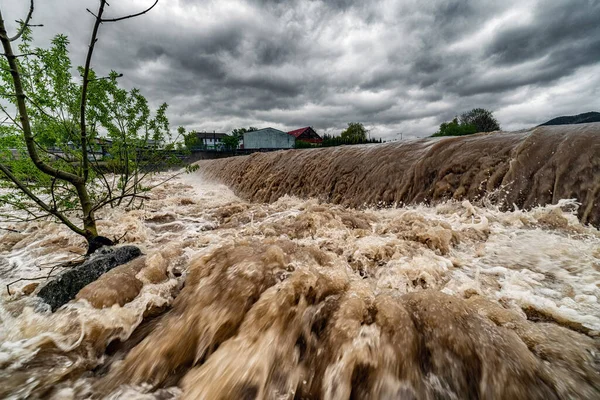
{"type": "Point", "coordinates": [54, 154]}
{"type": "Point", "coordinates": [130, 16]}
{"type": "Point", "coordinates": [166, 180]}
{"type": "Point", "coordinates": [110, 200]}
{"type": "Point", "coordinates": [84, 90]}
{"type": "Point", "coordinates": [39, 201]}
{"type": "Point", "coordinates": [23, 114]}
{"type": "Point", "coordinates": [40, 109]}
{"type": "Point", "coordinates": [22, 55]}
{"type": "Point", "coordinates": [105, 77]}
{"type": "Point", "coordinates": [22, 207]}
{"type": "Point", "coordinates": [25, 24]}
{"type": "Point", "coordinates": [98, 170]}
{"type": "Point", "coordinates": [10, 230]}
{"type": "Point", "coordinates": [8, 116]}
{"type": "Point", "coordinates": [67, 264]}
{"type": "Point", "coordinates": [117, 241]}
{"type": "Point", "coordinates": [90, 11]}
{"type": "Point", "coordinates": [54, 206]}
{"type": "Point", "coordinates": [22, 279]}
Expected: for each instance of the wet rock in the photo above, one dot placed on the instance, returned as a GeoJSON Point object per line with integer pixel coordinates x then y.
{"type": "Point", "coordinates": [117, 286]}
{"type": "Point", "coordinates": [66, 286]}
{"type": "Point", "coordinates": [97, 243]}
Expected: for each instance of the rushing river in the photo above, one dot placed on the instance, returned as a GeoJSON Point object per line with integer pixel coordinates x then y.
{"type": "Point", "coordinates": [302, 299]}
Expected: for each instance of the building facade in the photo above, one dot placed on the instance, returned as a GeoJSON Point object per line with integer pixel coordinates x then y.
{"type": "Point", "coordinates": [306, 134]}
{"type": "Point", "coordinates": [268, 138]}
{"type": "Point", "coordinates": [209, 141]}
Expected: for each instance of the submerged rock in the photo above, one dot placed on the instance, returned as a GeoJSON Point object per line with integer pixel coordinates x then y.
{"type": "Point", "coordinates": [66, 286]}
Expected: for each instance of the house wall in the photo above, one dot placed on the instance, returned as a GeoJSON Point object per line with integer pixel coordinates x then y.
{"type": "Point", "coordinates": [211, 141]}
{"type": "Point", "coordinates": [268, 138]}
{"type": "Point", "coordinates": [310, 136]}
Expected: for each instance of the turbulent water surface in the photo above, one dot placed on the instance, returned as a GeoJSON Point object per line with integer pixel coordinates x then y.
{"type": "Point", "coordinates": [300, 298]}
{"type": "Point", "coordinates": [522, 169]}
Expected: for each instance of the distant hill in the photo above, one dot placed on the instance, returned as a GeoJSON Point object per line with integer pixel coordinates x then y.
{"type": "Point", "coordinates": [575, 119]}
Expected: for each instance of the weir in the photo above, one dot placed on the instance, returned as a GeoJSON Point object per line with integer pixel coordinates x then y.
{"type": "Point", "coordinates": [516, 170]}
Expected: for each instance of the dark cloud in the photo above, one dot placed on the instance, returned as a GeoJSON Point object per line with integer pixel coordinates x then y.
{"type": "Point", "coordinates": [557, 30]}
{"type": "Point", "coordinates": [397, 66]}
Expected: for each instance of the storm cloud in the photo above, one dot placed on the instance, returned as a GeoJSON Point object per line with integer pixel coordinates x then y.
{"type": "Point", "coordinates": [396, 65]}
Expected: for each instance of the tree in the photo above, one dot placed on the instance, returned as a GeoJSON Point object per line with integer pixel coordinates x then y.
{"type": "Point", "coordinates": [329, 141]}
{"type": "Point", "coordinates": [300, 144]}
{"type": "Point", "coordinates": [454, 128]}
{"type": "Point", "coordinates": [191, 140]}
{"type": "Point", "coordinates": [55, 132]}
{"type": "Point", "coordinates": [231, 142]}
{"type": "Point", "coordinates": [239, 132]}
{"type": "Point", "coordinates": [137, 137]}
{"type": "Point", "coordinates": [482, 119]}
{"type": "Point", "coordinates": [355, 132]}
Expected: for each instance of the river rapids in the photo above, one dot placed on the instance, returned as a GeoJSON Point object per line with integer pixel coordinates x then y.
{"type": "Point", "coordinates": [302, 298]}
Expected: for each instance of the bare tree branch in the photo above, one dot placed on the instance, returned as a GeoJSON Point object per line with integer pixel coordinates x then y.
{"type": "Point", "coordinates": [25, 24]}
{"type": "Point", "coordinates": [23, 54]}
{"type": "Point", "coordinates": [10, 230]}
{"type": "Point", "coordinates": [130, 16]}
{"type": "Point", "coordinates": [67, 264]}
{"type": "Point", "coordinates": [105, 77]}
{"type": "Point", "coordinates": [22, 279]}
{"type": "Point", "coordinates": [52, 154]}
{"type": "Point", "coordinates": [124, 196]}
{"type": "Point", "coordinates": [9, 117]}
{"type": "Point", "coordinates": [39, 201]}
{"type": "Point", "coordinates": [84, 89]}
{"type": "Point", "coordinates": [90, 11]}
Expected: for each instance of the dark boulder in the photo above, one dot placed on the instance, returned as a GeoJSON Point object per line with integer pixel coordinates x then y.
{"type": "Point", "coordinates": [97, 243]}
{"type": "Point", "coordinates": [65, 286]}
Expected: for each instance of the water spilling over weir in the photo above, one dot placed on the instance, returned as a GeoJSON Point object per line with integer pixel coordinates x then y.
{"type": "Point", "coordinates": [525, 169]}
{"type": "Point", "coordinates": [305, 287]}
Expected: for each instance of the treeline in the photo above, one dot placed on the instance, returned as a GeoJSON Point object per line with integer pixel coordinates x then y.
{"type": "Point", "coordinates": [476, 120]}
{"type": "Point", "coordinates": [355, 133]}
{"type": "Point", "coordinates": [330, 140]}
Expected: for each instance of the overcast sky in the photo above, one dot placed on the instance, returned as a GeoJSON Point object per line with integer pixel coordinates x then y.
{"type": "Point", "coordinates": [395, 65]}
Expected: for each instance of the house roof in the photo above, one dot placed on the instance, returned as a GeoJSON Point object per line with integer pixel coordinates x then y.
{"type": "Point", "coordinates": [210, 135]}
{"type": "Point", "coordinates": [264, 129]}
{"type": "Point", "coordinates": [298, 132]}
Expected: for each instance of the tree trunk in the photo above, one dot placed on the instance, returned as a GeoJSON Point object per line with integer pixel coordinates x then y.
{"type": "Point", "coordinates": [87, 207]}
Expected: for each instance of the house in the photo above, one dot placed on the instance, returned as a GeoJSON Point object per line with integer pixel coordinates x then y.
{"type": "Point", "coordinates": [268, 138]}
{"type": "Point", "coordinates": [208, 140]}
{"type": "Point", "coordinates": [306, 134]}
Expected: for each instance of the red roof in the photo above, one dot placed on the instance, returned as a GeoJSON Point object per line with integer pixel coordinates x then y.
{"type": "Point", "coordinates": [298, 132]}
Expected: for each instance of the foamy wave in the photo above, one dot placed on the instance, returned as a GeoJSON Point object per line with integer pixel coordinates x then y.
{"type": "Point", "coordinates": [299, 297]}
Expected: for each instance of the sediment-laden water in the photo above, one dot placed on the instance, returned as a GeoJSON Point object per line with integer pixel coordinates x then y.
{"type": "Point", "coordinates": [300, 298]}
{"type": "Point", "coordinates": [523, 170]}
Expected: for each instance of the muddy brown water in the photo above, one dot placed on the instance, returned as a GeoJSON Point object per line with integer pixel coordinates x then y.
{"type": "Point", "coordinates": [524, 169]}
{"type": "Point", "coordinates": [244, 295]}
